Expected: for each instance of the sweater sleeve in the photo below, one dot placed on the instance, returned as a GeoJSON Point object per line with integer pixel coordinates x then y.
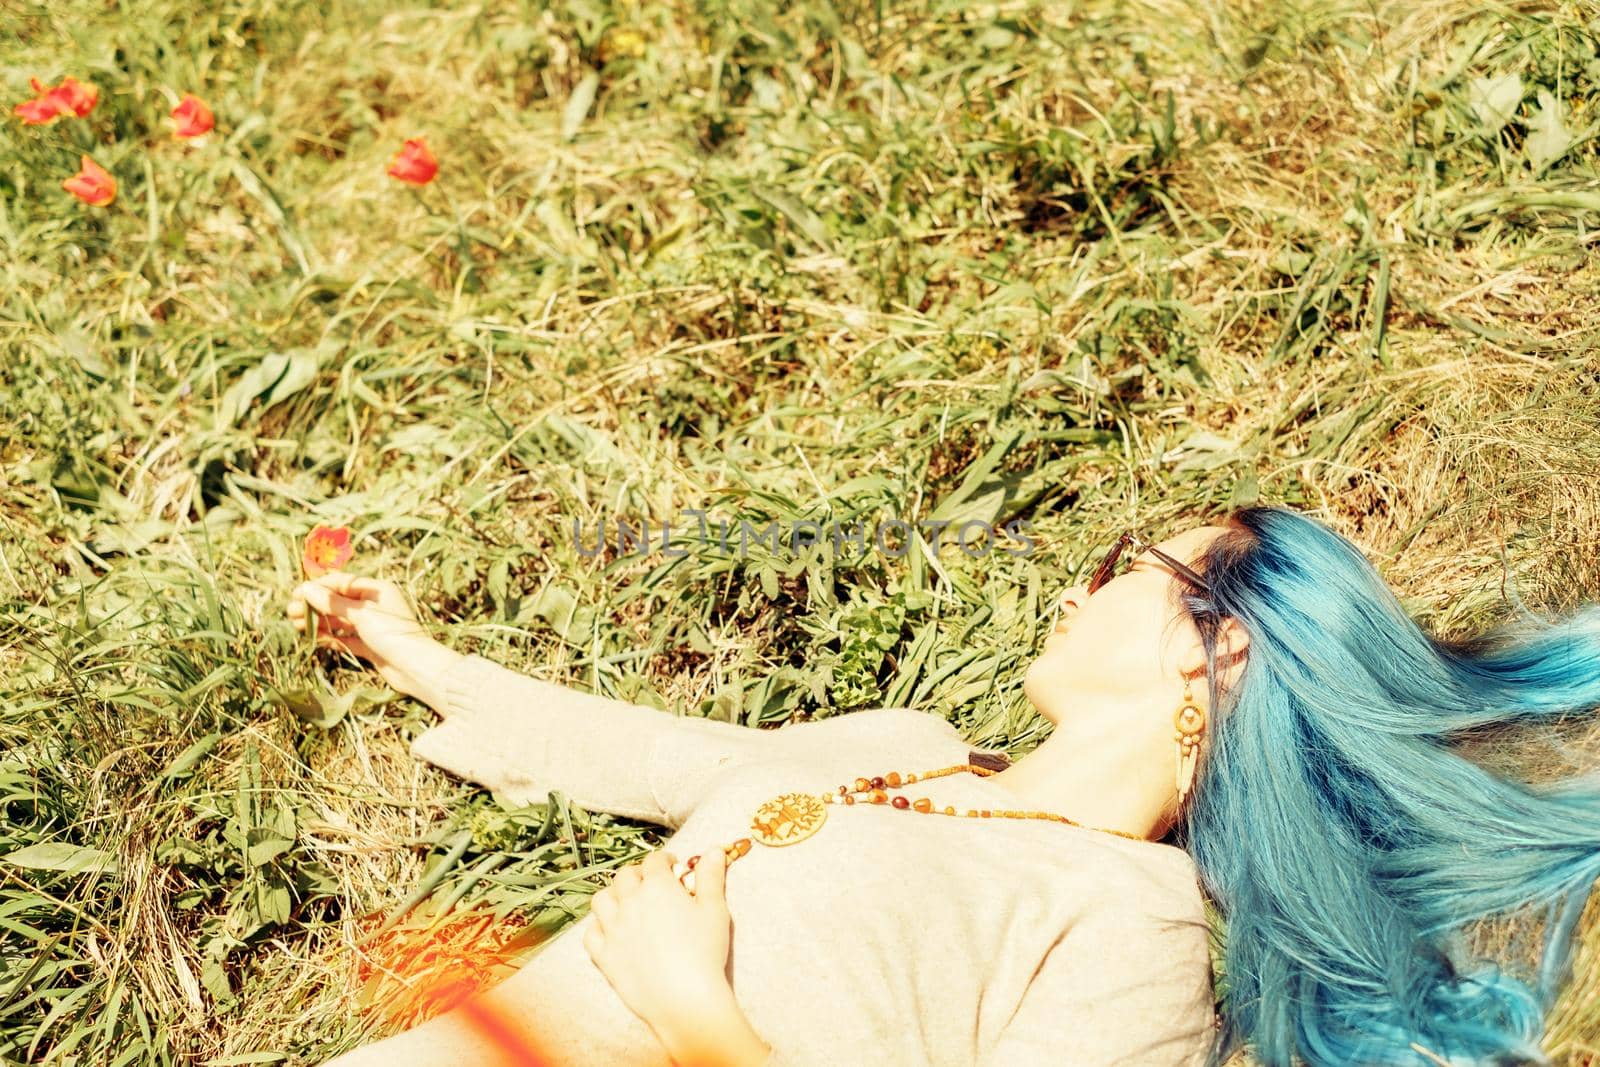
{"type": "Point", "coordinates": [1119, 988]}
{"type": "Point", "coordinates": [523, 737]}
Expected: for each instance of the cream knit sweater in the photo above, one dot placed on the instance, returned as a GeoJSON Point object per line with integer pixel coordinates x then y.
{"type": "Point", "coordinates": [888, 937]}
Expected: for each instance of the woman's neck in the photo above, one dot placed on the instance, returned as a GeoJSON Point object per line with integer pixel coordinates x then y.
{"type": "Point", "coordinates": [1098, 771]}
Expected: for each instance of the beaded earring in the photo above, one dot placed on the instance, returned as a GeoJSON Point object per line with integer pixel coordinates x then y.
{"type": "Point", "coordinates": [1191, 726]}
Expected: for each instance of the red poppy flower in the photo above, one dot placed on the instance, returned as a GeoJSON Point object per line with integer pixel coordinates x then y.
{"type": "Point", "coordinates": [74, 96]}
{"type": "Point", "coordinates": [93, 184]}
{"type": "Point", "coordinates": [191, 118]}
{"type": "Point", "coordinates": [414, 163]}
{"type": "Point", "coordinates": [39, 111]}
{"type": "Point", "coordinates": [71, 97]}
{"type": "Point", "coordinates": [327, 549]}
{"type": "Point", "coordinates": [42, 109]}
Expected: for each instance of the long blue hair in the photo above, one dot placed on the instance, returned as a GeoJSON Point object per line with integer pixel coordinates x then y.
{"type": "Point", "coordinates": [1346, 841]}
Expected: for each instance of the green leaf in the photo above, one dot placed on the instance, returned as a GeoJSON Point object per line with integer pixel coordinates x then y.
{"type": "Point", "coordinates": [181, 850]}
{"type": "Point", "coordinates": [273, 903]}
{"type": "Point", "coordinates": [190, 757]}
{"type": "Point", "coordinates": [215, 978]}
{"type": "Point", "coordinates": [278, 376]}
{"type": "Point", "coordinates": [578, 104]}
{"type": "Point", "coordinates": [769, 581]}
{"type": "Point", "coordinates": [980, 497]}
{"type": "Point", "coordinates": [1548, 137]}
{"type": "Point", "coordinates": [305, 704]}
{"type": "Point", "coordinates": [327, 709]}
{"type": "Point", "coordinates": [558, 606]}
{"type": "Point", "coordinates": [61, 856]}
{"type": "Point", "coordinates": [498, 581]}
{"type": "Point", "coordinates": [256, 187]}
{"type": "Point", "coordinates": [1203, 450]}
{"type": "Point", "coordinates": [264, 844]}
{"type": "Point", "coordinates": [1494, 101]}
{"type": "Point", "coordinates": [804, 219]}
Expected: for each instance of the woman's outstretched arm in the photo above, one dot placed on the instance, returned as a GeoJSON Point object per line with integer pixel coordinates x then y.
{"type": "Point", "coordinates": [522, 736]}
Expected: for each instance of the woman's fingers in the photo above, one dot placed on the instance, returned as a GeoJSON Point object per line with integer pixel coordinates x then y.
{"type": "Point", "coordinates": [626, 879]}
{"type": "Point", "coordinates": [326, 624]}
{"type": "Point", "coordinates": [708, 873]}
{"type": "Point", "coordinates": [346, 643]}
{"type": "Point", "coordinates": [602, 906]}
{"type": "Point", "coordinates": [324, 600]}
{"type": "Point", "coordinates": [651, 866]}
{"type": "Point", "coordinates": [351, 585]}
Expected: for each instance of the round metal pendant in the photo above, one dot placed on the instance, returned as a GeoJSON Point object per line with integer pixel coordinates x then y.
{"type": "Point", "coordinates": [788, 818]}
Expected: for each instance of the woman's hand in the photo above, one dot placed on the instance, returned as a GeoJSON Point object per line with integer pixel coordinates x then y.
{"type": "Point", "coordinates": [665, 952]}
{"type": "Point", "coordinates": [372, 619]}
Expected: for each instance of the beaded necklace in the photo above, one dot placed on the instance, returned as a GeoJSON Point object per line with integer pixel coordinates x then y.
{"type": "Point", "coordinates": [789, 818]}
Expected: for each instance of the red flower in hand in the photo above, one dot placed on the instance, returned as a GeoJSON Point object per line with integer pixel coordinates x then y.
{"type": "Point", "coordinates": [93, 184]}
{"type": "Point", "coordinates": [414, 163]}
{"type": "Point", "coordinates": [327, 549]}
{"type": "Point", "coordinates": [191, 118]}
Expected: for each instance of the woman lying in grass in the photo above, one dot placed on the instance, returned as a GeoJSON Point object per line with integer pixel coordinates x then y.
{"type": "Point", "coordinates": [1244, 707]}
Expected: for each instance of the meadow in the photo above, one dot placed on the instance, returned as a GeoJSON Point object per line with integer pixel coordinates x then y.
{"type": "Point", "coordinates": [1084, 264]}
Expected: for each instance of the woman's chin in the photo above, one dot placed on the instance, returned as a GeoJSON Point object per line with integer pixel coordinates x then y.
{"type": "Point", "coordinates": [1041, 677]}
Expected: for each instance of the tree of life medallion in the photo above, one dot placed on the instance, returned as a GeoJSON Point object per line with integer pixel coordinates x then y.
{"type": "Point", "coordinates": [788, 818]}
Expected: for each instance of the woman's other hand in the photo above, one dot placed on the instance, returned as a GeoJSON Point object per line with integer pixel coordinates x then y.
{"type": "Point", "coordinates": [665, 952]}
{"type": "Point", "coordinates": [372, 619]}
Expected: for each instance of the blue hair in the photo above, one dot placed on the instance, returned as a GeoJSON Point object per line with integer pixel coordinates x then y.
{"type": "Point", "coordinates": [1345, 840]}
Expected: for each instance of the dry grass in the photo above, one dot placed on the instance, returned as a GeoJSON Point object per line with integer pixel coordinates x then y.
{"type": "Point", "coordinates": [796, 261]}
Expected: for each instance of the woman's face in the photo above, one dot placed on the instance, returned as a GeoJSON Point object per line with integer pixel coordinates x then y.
{"type": "Point", "coordinates": [1122, 644]}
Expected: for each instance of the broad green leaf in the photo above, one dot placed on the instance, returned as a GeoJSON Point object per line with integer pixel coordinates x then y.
{"type": "Point", "coordinates": [980, 497]}
{"type": "Point", "coordinates": [804, 219]}
{"type": "Point", "coordinates": [558, 606]}
{"type": "Point", "coordinates": [273, 902]}
{"type": "Point", "coordinates": [215, 979]}
{"type": "Point", "coordinates": [306, 704]}
{"type": "Point", "coordinates": [319, 707]}
{"type": "Point", "coordinates": [265, 844]}
{"type": "Point", "coordinates": [61, 856]}
{"type": "Point", "coordinates": [190, 757]}
{"type": "Point", "coordinates": [1495, 101]}
{"type": "Point", "coordinates": [1548, 136]}
{"type": "Point", "coordinates": [278, 376]}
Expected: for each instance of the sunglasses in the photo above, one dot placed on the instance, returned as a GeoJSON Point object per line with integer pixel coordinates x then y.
{"type": "Point", "coordinates": [1107, 569]}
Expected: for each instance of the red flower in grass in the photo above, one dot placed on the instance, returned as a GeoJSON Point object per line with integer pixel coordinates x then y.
{"type": "Point", "coordinates": [74, 96]}
{"type": "Point", "coordinates": [71, 97]}
{"type": "Point", "coordinates": [93, 184]}
{"type": "Point", "coordinates": [40, 111]}
{"type": "Point", "coordinates": [414, 163]}
{"type": "Point", "coordinates": [327, 549]}
{"type": "Point", "coordinates": [191, 118]}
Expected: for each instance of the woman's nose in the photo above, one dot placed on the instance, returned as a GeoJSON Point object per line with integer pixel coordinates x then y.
{"type": "Point", "coordinates": [1067, 604]}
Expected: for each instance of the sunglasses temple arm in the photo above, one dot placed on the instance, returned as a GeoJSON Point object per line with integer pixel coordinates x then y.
{"type": "Point", "coordinates": [1185, 571]}
{"type": "Point", "coordinates": [1181, 568]}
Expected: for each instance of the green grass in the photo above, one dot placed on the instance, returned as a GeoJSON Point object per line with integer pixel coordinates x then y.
{"type": "Point", "coordinates": [776, 261]}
